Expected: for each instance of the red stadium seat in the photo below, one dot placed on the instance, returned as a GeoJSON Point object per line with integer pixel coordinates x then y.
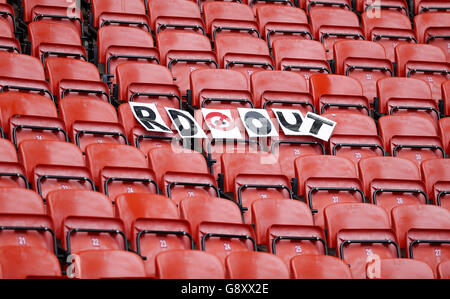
{"type": "Point", "coordinates": [392, 181]}
{"type": "Point", "coordinates": [182, 173]}
{"type": "Point", "coordinates": [275, 21]}
{"type": "Point", "coordinates": [152, 225]}
{"type": "Point", "coordinates": [89, 121]}
{"type": "Point", "coordinates": [323, 180]}
{"type": "Point", "coordinates": [8, 14]}
{"type": "Point", "coordinates": [436, 175]}
{"type": "Point", "coordinates": [23, 73]}
{"type": "Point", "coordinates": [329, 25]}
{"type": "Point", "coordinates": [411, 137]}
{"type": "Point", "coordinates": [218, 226]}
{"type": "Point", "coordinates": [183, 52]}
{"type": "Point", "coordinates": [30, 116]}
{"type": "Point", "coordinates": [20, 262]}
{"type": "Point", "coordinates": [250, 176]}
{"type": "Point", "coordinates": [443, 270]}
{"type": "Point", "coordinates": [445, 89]}
{"type": "Point", "coordinates": [68, 76]}
{"type": "Point", "coordinates": [116, 12]}
{"type": "Point", "coordinates": [433, 28]}
{"type": "Point", "coordinates": [304, 56]}
{"type": "Point", "coordinates": [49, 39]}
{"type": "Point", "coordinates": [319, 267]}
{"type": "Point", "coordinates": [119, 168]}
{"type": "Point", "coordinates": [286, 228]}
{"type": "Point", "coordinates": [12, 173]}
{"type": "Point", "coordinates": [333, 92]}
{"type": "Point", "coordinates": [58, 11]}
{"type": "Point", "coordinates": [406, 96]}
{"type": "Point", "coordinates": [177, 15]}
{"type": "Point", "coordinates": [188, 264]}
{"type": "Point", "coordinates": [8, 40]}
{"type": "Point", "coordinates": [423, 6]}
{"type": "Point", "coordinates": [444, 129]}
{"type": "Point", "coordinates": [244, 53]}
{"type": "Point", "coordinates": [85, 220]}
{"type": "Point", "coordinates": [224, 16]}
{"type": "Point", "coordinates": [51, 165]}
{"type": "Point", "coordinates": [255, 265]}
{"type": "Point", "coordinates": [355, 136]}
{"type": "Point", "coordinates": [357, 230]}
{"type": "Point", "coordinates": [390, 29]}
{"type": "Point", "coordinates": [365, 61]}
{"type": "Point", "coordinates": [401, 268]}
{"type": "Point", "coordinates": [21, 201]}
{"type": "Point", "coordinates": [422, 61]}
{"type": "Point", "coordinates": [423, 232]}
{"type": "Point", "coordinates": [117, 44]}
{"type": "Point", "coordinates": [106, 264]}
{"type": "Point", "coordinates": [374, 7]}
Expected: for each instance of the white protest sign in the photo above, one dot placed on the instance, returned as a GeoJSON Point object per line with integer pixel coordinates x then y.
{"type": "Point", "coordinates": [290, 121]}
{"type": "Point", "coordinates": [257, 122]}
{"type": "Point", "coordinates": [185, 124]}
{"type": "Point", "coordinates": [221, 123]}
{"type": "Point", "coordinates": [318, 126]}
{"type": "Point", "coordinates": [148, 116]}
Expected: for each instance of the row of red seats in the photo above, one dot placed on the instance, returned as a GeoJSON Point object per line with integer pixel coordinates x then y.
{"type": "Point", "coordinates": [72, 222]}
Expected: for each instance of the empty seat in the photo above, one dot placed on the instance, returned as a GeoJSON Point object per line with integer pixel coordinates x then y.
{"type": "Point", "coordinates": [217, 226]}
{"type": "Point", "coordinates": [152, 225]}
{"type": "Point", "coordinates": [117, 44]}
{"type": "Point", "coordinates": [168, 15]}
{"type": "Point", "coordinates": [24, 73]}
{"type": "Point", "coordinates": [375, 7]}
{"type": "Point", "coordinates": [411, 137]}
{"type": "Point", "coordinates": [106, 264]}
{"type": "Point", "coordinates": [423, 232]}
{"type": "Point", "coordinates": [250, 176]}
{"type": "Point", "coordinates": [392, 181]}
{"type": "Point", "coordinates": [286, 228]}
{"type": "Point", "coordinates": [8, 14]}
{"type": "Point", "coordinates": [323, 180]}
{"type": "Point", "coordinates": [182, 173]}
{"type": "Point", "coordinates": [436, 175]}
{"type": "Point", "coordinates": [119, 168]}
{"type": "Point", "coordinates": [443, 270]}
{"type": "Point", "coordinates": [224, 16]}
{"type": "Point", "coordinates": [446, 97]}
{"type": "Point", "coordinates": [426, 62]}
{"type": "Point", "coordinates": [340, 4]}
{"type": "Point", "coordinates": [366, 61]}
{"type": "Point", "coordinates": [357, 230]}
{"type": "Point", "coordinates": [51, 165]}
{"type": "Point", "coordinates": [390, 29]}
{"type": "Point", "coordinates": [444, 129]}
{"type": "Point", "coordinates": [85, 220]}
{"type": "Point", "coordinates": [30, 116]}
{"type": "Point", "coordinates": [139, 137]}
{"type": "Point", "coordinates": [117, 12]}
{"type": "Point", "coordinates": [57, 11]}
{"type": "Point", "coordinates": [188, 264]}
{"type": "Point", "coordinates": [183, 52]}
{"type": "Point", "coordinates": [24, 220]}
{"type": "Point", "coordinates": [20, 262]}
{"type": "Point", "coordinates": [406, 96]}
{"type": "Point", "coordinates": [354, 137]}
{"type": "Point", "coordinates": [304, 56]}
{"type": "Point", "coordinates": [12, 172]}
{"type": "Point", "coordinates": [423, 6]}
{"type": "Point", "coordinates": [68, 76]}
{"type": "Point", "coordinates": [319, 267]}
{"type": "Point", "coordinates": [329, 25]}
{"type": "Point", "coordinates": [275, 21]}
{"type": "Point", "coordinates": [401, 268]}
{"type": "Point", "coordinates": [244, 53]}
{"type": "Point", "coordinates": [433, 28]}
{"type": "Point", "coordinates": [255, 265]}
{"type": "Point", "coordinates": [8, 40]}
{"type": "Point", "coordinates": [333, 92]}
{"type": "Point", "coordinates": [49, 39]}
{"type": "Point", "coordinates": [89, 121]}
{"type": "Point", "coordinates": [149, 83]}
